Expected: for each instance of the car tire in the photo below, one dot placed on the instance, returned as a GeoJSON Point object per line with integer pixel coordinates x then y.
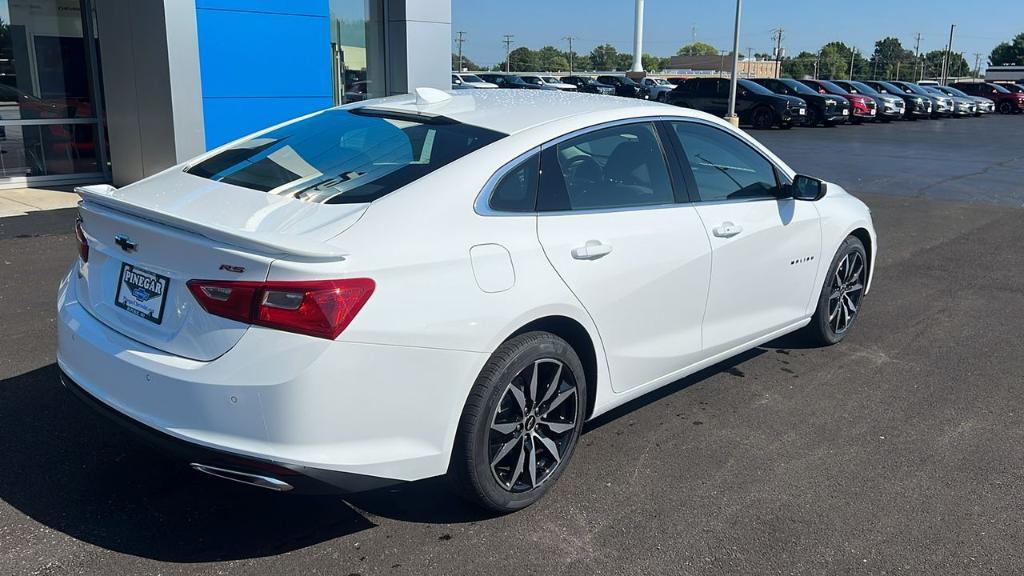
{"type": "Point", "coordinates": [661, 97]}
{"type": "Point", "coordinates": [813, 118]}
{"type": "Point", "coordinates": [520, 424]}
{"type": "Point", "coordinates": [841, 295]}
{"type": "Point", "coordinates": [1005, 108]}
{"type": "Point", "coordinates": [762, 119]}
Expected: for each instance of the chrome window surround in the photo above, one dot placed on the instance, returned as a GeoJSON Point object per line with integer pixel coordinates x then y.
{"type": "Point", "coordinates": [482, 204]}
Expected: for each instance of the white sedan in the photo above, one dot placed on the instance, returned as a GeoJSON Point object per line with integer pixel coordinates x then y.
{"type": "Point", "coordinates": [444, 283]}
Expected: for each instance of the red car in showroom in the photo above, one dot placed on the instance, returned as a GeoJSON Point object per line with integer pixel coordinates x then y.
{"type": "Point", "coordinates": [862, 108]}
{"type": "Point", "coordinates": [1006, 102]}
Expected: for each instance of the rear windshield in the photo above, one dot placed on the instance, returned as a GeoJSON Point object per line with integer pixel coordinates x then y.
{"type": "Point", "coordinates": [344, 156]}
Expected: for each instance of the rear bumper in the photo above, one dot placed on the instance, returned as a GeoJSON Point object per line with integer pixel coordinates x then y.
{"type": "Point", "coordinates": [347, 413]}
{"type": "Point", "coordinates": [291, 477]}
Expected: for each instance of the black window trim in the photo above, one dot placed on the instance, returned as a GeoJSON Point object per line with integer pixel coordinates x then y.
{"type": "Point", "coordinates": [679, 196]}
{"type": "Point", "coordinates": [679, 187]}
{"type": "Point", "coordinates": [691, 182]}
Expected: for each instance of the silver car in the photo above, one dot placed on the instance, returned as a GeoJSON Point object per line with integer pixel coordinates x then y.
{"type": "Point", "coordinates": [961, 106]}
{"type": "Point", "coordinates": [982, 105]}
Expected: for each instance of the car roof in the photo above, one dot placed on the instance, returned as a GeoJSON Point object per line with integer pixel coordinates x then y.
{"type": "Point", "coordinates": [513, 111]}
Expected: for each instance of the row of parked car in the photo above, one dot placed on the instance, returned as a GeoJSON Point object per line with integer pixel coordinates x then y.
{"type": "Point", "coordinates": [783, 102]}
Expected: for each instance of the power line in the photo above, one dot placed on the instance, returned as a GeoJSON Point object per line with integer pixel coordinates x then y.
{"type": "Point", "coordinates": [508, 51]}
{"type": "Point", "coordinates": [570, 39]}
{"type": "Point", "coordinates": [460, 40]}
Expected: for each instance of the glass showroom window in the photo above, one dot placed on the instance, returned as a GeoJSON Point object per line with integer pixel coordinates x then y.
{"type": "Point", "coordinates": [357, 44]}
{"type": "Point", "coordinates": [49, 128]}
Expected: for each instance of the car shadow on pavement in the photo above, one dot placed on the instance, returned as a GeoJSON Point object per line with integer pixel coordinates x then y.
{"type": "Point", "coordinates": [74, 471]}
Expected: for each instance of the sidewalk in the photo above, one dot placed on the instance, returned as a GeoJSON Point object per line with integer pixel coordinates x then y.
{"type": "Point", "coordinates": [21, 201]}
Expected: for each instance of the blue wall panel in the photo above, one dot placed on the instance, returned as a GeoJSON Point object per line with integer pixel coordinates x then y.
{"type": "Point", "coordinates": [261, 62]}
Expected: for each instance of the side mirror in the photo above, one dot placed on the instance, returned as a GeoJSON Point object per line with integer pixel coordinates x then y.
{"type": "Point", "coordinates": [806, 188]}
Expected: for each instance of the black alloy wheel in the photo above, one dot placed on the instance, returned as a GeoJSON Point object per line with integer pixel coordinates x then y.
{"type": "Point", "coordinates": [841, 295]}
{"type": "Point", "coordinates": [520, 425]}
{"type": "Point", "coordinates": [763, 119]}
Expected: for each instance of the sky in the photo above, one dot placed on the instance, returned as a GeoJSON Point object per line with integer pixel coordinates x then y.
{"type": "Point", "coordinates": [669, 24]}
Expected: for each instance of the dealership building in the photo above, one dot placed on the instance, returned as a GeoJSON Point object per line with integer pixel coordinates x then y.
{"type": "Point", "coordinates": [116, 90]}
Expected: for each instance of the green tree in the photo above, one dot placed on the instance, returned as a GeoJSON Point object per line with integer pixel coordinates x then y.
{"type": "Point", "coordinates": [624, 61]}
{"type": "Point", "coordinates": [466, 63]}
{"type": "Point", "coordinates": [958, 66]}
{"type": "Point", "coordinates": [654, 63]}
{"type": "Point", "coordinates": [521, 59]}
{"type": "Point", "coordinates": [551, 59]}
{"type": "Point", "coordinates": [891, 57]}
{"type": "Point", "coordinates": [697, 49]}
{"type": "Point", "coordinates": [1008, 53]}
{"type": "Point", "coordinates": [800, 66]}
{"type": "Point", "coordinates": [604, 57]}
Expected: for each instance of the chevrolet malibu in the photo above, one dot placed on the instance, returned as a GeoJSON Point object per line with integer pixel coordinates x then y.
{"type": "Point", "coordinates": [444, 283]}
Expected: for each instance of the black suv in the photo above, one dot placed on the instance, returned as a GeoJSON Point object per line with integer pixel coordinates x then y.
{"type": "Point", "coordinates": [755, 104]}
{"type": "Point", "coordinates": [588, 84]}
{"type": "Point", "coordinates": [511, 81]}
{"type": "Point", "coordinates": [624, 86]}
{"type": "Point", "coordinates": [916, 106]}
{"type": "Point", "coordinates": [824, 109]}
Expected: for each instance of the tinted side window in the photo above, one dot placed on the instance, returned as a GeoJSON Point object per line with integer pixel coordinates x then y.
{"type": "Point", "coordinates": [617, 167]}
{"type": "Point", "coordinates": [517, 189]}
{"type": "Point", "coordinates": [723, 166]}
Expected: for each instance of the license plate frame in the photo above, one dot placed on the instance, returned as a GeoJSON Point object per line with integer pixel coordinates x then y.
{"type": "Point", "coordinates": [137, 287]}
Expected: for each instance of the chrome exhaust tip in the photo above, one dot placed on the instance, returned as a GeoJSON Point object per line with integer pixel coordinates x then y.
{"type": "Point", "coordinates": [267, 482]}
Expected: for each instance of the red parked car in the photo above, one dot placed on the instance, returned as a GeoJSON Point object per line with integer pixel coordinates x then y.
{"type": "Point", "coordinates": [862, 108]}
{"type": "Point", "coordinates": [1006, 102]}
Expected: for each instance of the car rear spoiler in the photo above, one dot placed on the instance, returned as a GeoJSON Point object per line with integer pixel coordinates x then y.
{"type": "Point", "coordinates": [274, 245]}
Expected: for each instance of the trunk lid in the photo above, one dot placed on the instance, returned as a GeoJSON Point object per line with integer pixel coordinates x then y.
{"type": "Point", "coordinates": [146, 241]}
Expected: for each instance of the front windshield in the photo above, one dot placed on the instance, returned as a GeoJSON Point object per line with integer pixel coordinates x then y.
{"type": "Point", "coordinates": [933, 90]}
{"type": "Point", "coordinates": [661, 82]}
{"type": "Point", "coordinates": [532, 80]}
{"type": "Point", "coordinates": [890, 88]}
{"type": "Point", "coordinates": [343, 156]}
{"type": "Point", "coordinates": [471, 78]}
{"type": "Point", "coordinates": [797, 86]}
{"type": "Point", "coordinates": [755, 88]}
{"type": "Point", "coordinates": [1000, 89]}
{"type": "Point", "coordinates": [864, 88]}
{"type": "Point", "coordinates": [832, 87]}
{"type": "Point", "coordinates": [954, 92]}
{"type": "Point", "coordinates": [915, 89]}
{"type": "Point", "coordinates": [551, 80]}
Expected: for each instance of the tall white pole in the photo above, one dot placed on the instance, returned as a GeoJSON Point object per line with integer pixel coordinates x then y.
{"type": "Point", "coordinates": [731, 116]}
{"type": "Point", "coordinates": [638, 38]}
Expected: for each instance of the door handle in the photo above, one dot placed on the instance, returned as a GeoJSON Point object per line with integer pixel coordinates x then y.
{"type": "Point", "coordinates": [727, 230]}
{"type": "Point", "coordinates": [592, 250]}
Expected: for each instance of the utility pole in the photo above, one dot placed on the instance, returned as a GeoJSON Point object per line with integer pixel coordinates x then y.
{"type": "Point", "coordinates": [977, 65]}
{"type": "Point", "coordinates": [693, 34]}
{"type": "Point", "coordinates": [638, 38]}
{"type": "Point", "coordinates": [570, 39]}
{"type": "Point", "coordinates": [898, 62]}
{"type": "Point", "coordinates": [817, 63]}
{"type": "Point", "coordinates": [777, 36]}
{"type": "Point", "coordinates": [460, 40]}
{"type": "Point", "coordinates": [917, 55]}
{"type": "Point", "coordinates": [853, 54]}
{"type": "Point", "coordinates": [945, 61]}
{"type": "Point", "coordinates": [731, 116]}
{"type": "Point", "coordinates": [508, 52]}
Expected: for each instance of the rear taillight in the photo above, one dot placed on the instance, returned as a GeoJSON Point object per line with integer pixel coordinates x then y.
{"type": "Point", "coordinates": [83, 243]}
{"type": "Point", "coordinates": [321, 308]}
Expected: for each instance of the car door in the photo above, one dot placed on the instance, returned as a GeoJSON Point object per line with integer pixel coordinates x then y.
{"type": "Point", "coordinates": [720, 99]}
{"type": "Point", "coordinates": [765, 250]}
{"type": "Point", "coordinates": [615, 224]}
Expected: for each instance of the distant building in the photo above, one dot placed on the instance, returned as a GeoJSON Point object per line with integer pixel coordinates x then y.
{"type": "Point", "coordinates": [1014, 73]}
{"type": "Point", "coordinates": [712, 65]}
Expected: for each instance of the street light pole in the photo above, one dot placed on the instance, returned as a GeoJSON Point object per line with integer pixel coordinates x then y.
{"type": "Point", "coordinates": [638, 38]}
{"type": "Point", "coordinates": [732, 117]}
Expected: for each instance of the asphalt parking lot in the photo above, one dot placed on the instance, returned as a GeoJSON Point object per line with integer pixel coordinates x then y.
{"type": "Point", "coordinates": [899, 451]}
